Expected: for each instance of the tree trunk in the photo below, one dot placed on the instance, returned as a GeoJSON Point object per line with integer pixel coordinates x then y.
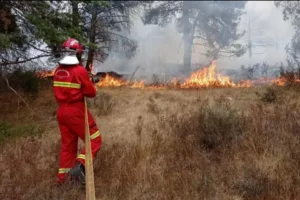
{"type": "Point", "coordinates": [92, 39]}
{"type": "Point", "coordinates": [186, 39]}
{"type": "Point", "coordinates": [187, 57]}
{"type": "Point", "coordinates": [75, 13]}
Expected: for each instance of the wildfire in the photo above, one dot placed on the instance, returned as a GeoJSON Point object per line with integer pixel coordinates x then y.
{"type": "Point", "coordinates": [109, 81]}
{"type": "Point", "coordinates": [203, 78]}
{"type": "Point", "coordinates": [137, 84]}
{"type": "Point", "coordinates": [45, 74]}
{"type": "Point", "coordinates": [279, 81]}
{"type": "Point", "coordinates": [208, 78]}
{"type": "Point", "coordinates": [282, 81]}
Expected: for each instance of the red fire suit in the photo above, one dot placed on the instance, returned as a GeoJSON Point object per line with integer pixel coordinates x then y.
{"type": "Point", "coordinates": [70, 85]}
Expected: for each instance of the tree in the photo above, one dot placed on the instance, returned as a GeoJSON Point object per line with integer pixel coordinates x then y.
{"type": "Point", "coordinates": [33, 25]}
{"type": "Point", "coordinates": [291, 11]}
{"type": "Point", "coordinates": [104, 26]}
{"type": "Point", "coordinates": [213, 24]}
{"type": "Point", "coordinates": [43, 26]}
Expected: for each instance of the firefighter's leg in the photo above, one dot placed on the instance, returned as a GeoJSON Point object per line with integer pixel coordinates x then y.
{"type": "Point", "coordinates": [68, 152]}
{"type": "Point", "coordinates": [95, 136]}
{"type": "Point", "coordinates": [96, 141]}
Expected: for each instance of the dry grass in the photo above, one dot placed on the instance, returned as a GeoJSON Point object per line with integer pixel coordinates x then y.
{"type": "Point", "coordinates": [103, 102]}
{"type": "Point", "coordinates": [168, 144]}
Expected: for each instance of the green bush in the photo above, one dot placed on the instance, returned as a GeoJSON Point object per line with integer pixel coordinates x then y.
{"type": "Point", "coordinates": [25, 80]}
{"type": "Point", "coordinates": [30, 83]}
{"type": "Point", "coordinates": [9, 131]}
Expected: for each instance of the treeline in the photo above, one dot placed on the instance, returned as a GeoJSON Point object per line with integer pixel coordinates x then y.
{"type": "Point", "coordinates": [42, 26]}
{"type": "Point", "coordinates": [104, 26]}
{"type": "Point", "coordinates": [30, 30]}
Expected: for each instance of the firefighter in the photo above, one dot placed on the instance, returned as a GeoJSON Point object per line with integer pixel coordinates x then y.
{"type": "Point", "coordinates": [71, 83]}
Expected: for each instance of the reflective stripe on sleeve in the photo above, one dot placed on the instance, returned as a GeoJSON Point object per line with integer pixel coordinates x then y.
{"type": "Point", "coordinates": [63, 170]}
{"type": "Point", "coordinates": [82, 156]}
{"type": "Point", "coordinates": [95, 135]}
{"type": "Point", "coordinates": [66, 84]}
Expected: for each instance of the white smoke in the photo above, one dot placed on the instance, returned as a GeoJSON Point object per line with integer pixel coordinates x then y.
{"type": "Point", "coordinates": [160, 51]}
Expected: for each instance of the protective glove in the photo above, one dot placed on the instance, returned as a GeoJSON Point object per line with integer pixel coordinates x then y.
{"type": "Point", "coordinates": [95, 79]}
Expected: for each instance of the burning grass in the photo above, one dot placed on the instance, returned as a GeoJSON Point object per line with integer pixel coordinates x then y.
{"type": "Point", "coordinates": [202, 78]}
{"type": "Point", "coordinates": [210, 144]}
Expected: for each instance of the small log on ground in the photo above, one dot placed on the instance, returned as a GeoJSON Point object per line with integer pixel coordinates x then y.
{"type": "Point", "coordinates": [111, 73]}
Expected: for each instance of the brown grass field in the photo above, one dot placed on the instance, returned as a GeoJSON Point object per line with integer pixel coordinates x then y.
{"type": "Point", "coordinates": [212, 144]}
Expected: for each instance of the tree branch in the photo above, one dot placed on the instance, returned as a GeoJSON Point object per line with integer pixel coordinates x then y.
{"type": "Point", "coordinates": [180, 44]}
{"type": "Point", "coordinates": [36, 48]}
{"type": "Point", "coordinates": [200, 44]}
{"type": "Point", "coordinates": [23, 61]}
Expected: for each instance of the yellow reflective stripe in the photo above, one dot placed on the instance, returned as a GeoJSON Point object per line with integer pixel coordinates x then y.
{"type": "Point", "coordinates": [66, 84]}
{"type": "Point", "coordinates": [63, 170]}
{"type": "Point", "coordinates": [93, 136]}
{"type": "Point", "coordinates": [81, 156]}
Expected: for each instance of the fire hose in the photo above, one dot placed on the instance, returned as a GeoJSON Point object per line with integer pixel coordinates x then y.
{"type": "Point", "coordinates": [89, 169]}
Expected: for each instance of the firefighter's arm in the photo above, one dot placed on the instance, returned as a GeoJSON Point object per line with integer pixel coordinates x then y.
{"type": "Point", "coordinates": [87, 87]}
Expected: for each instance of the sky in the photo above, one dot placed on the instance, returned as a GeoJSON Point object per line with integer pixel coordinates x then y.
{"type": "Point", "coordinates": [266, 22]}
{"type": "Point", "coordinates": [160, 47]}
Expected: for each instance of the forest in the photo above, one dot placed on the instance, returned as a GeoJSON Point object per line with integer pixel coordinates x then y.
{"type": "Point", "coordinates": [176, 121]}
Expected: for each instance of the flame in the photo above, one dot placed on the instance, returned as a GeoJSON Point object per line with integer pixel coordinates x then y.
{"type": "Point", "coordinates": [282, 81]}
{"type": "Point", "coordinates": [279, 81]}
{"type": "Point", "coordinates": [137, 84]}
{"type": "Point", "coordinates": [245, 84]}
{"type": "Point", "coordinates": [203, 78]}
{"type": "Point", "coordinates": [208, 78]}
{"type": "Point", "coordinates": [110, 81]}
{"type": "Point", "coordinates": [45, 74]}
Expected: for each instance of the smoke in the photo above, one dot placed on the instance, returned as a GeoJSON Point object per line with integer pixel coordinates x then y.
{"type": "Point", "coordinates": [267, 28]}
{"type": "Point", "coordinates": [160, 49]}
{"type": "Point", "coordinates": [158, 52]}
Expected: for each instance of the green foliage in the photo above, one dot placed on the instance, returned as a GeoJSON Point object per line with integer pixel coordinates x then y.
{"type": "Point", "coordinates": [30, 83]}
{"type": "Point", "coordinates": [4, 41]}
{"type": "Point", "coordinates": [52, 26]}
{"type": "Point", "coordinates": [26, 80]}
{"type": "Point", "coordinates": [291, 11]}
{"type": "Point", "coordinates": [10, 131]}
{"type": "Point", "coordinates": [9, 30]}
{"type": "Point", "coordinates": [101, 3]}
{"type": "Point", "coordinates": [52, 22]}
{"type": "Point", "coordinates": [40, 22]}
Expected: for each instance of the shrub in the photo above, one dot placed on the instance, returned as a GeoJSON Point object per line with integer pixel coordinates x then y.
{"type": "Point", "coordinates": [270, 96]}
{"type": "Point", "coordinates": [152, 106]}
{"type": "Point", "coordinates": [26, 80]}
{"type": "Point", "coordinates": [211, 127]}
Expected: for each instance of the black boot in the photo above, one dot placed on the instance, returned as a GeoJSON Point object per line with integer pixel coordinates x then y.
{"type": "Point", "coordinates": [78, 173]}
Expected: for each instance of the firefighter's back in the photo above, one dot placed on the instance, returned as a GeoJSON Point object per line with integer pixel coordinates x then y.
{"type": "Point", "coordinates": [67, 85]}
